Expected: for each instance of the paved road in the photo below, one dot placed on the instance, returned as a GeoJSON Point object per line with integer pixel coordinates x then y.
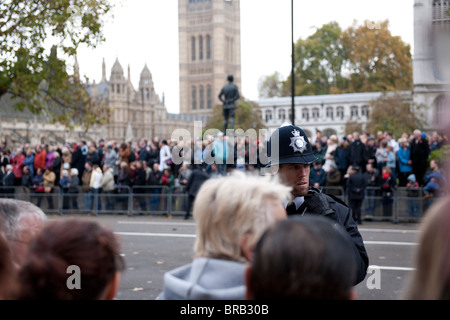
{"type": "Point", "coordinates": [153, 245]}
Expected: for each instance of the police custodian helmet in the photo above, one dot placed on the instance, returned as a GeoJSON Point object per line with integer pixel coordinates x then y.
{"type": "Point", "coordinates": [289, 144]}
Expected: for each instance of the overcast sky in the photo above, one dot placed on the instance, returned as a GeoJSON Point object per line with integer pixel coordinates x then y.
{"type": "Point", "coordinates": [146, 31]}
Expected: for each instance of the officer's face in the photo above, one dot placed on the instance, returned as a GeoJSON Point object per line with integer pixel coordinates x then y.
{"type": "Point", "coordinates": [295, 175]}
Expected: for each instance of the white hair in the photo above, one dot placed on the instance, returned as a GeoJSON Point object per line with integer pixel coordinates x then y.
{"type": "Point", "coordinates": [12, 211]}
{"type": "Point", "coordinates": [228, 208]}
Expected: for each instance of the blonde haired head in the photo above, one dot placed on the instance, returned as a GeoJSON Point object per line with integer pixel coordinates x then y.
{"type": "Point", "coordinates": [235, 209]}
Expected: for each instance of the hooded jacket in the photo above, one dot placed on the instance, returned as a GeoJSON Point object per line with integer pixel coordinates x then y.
{"type": "Point", "coordinates": [205, 279]}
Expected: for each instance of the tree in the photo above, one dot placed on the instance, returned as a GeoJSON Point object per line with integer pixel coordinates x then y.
{"type": "Point", "coordinates": [364, 58]}
{"type": "Point", "coordinates": [318, 64]}
{"type": "Point", "coordinates": [377, 61]}
{"type": "Point", "coordinates": [395, 115]}
{"type": "Point", "coordinates": [248, 115]}
{"type": "Point", "coordinates": [270, 86]}
{"type": "Point", "coordinates": [37, 79]}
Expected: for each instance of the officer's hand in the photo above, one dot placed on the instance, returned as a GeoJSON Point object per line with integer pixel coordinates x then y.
{"type": "Point", "coordinates": [317, 203]}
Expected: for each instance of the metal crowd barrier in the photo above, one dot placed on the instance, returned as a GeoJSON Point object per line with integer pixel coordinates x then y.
{"type": "Point", "coordinates": [160, 200]}
{"type": "Point", "coordinates": [123, 200]}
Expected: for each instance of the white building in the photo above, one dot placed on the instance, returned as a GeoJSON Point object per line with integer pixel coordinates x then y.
{"type": "Point", "coordinates": [327, 113]}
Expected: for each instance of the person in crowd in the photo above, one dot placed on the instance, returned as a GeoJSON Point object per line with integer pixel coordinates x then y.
{"type": "Point", "coordinates": [412, 192]}
{"type": "Point", "coordinates": [391, 161]}
{"type": "Point", "coordinates": [95, 187]}
{"type": "Point", "coordinates": [49, 178]}
{"type": "Point", "coordinates": [4, 160]}
{"type": "Point", "coordinates": [124, 153]}
{"type": "Point", "coordinates": [356, 188]}
{"type": "Point", "coordinates": [66, 246]}
{"type": "Point", "coordinates": [430, 279]}
{"type": "Point", "coordinates": [404, 162]}
{"type": "Point", "coordinates": [391, 142]}
{"type": "Point", "coordinates": [231, 214]}
{"type": "Point", "coordinates": [154, 181]}
{"type": "Point", "coordinates": [74, 188]}
{"type": "Point", "coordinates": [372, 177]}
{"type": "Point", "coordinates": [39, 158]}
{"type": "Point", "coordinates": [340, 156]}
{"type": "Point", "coordinates": [292, 164]}
{"type": "Point", "coordinates": [221, 151]}
{"type": "Point", "coordinates": [153, 155]}
{"type": "Point", "coordinates": [50, 157]}
{"type": "Point", "coordinates": [111, 159]}
{"type": "Point", "coordinates": [140, 183]}
{"type": "Point", "coordinates": [66, 158]}
{"type": "Point", "coordinates": [17, 163]}
{"type": "Point", "coordinates": [334, 179]}
{"type": "Point", "coordinates": [165, 156]}
{"type": "Point", "coordinates": [195, 181]}
{"type": "Point", "coordinates": [79, 159]}
{"type": "Point", "coordinates": [107, 186]}
{"type": "Point", "coordinates": [420, 150]}
{"type": "Point", "coordinates": [306, 258]}
{"type": "Point", "coordinates": [317, 177]}
{"type": "Point", "coordinates": [20, 222]}
{"type": "Point", "coordinates": [27, 178]}
{"type": "Point", "coordinates": [93, 156]}
{"type": "Point", "coordinates": [329, 154]}
{"type": "Point", "coordinates": [371, 148]}
{"type": "Point", "coordinates": [123, 185]}
{"type": "Point", "coordinates": [382, 155]}
{"type": "Point", "coordinates": [64, 184]}
{"type": "Point", "coordinates": [357, 153]}
{"type": "Point", "coordinates": [29, 161]}
{"type": "Point", "coordinates": [319, 152]}
{"type": "Point", "coordinates": [56, 166]}
{"type": "Point", "coordinates": [388, 186]}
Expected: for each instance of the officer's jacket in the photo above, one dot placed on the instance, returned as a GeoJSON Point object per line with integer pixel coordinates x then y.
{"type": "Point", "coordinates": [340, 212]}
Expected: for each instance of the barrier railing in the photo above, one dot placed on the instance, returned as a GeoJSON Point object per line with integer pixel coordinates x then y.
{"type": "Point", "coordinates": [160, 200]}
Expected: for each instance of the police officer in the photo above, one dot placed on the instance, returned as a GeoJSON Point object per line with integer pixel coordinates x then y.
{"type": "Point", "coordinates": [291, 156]}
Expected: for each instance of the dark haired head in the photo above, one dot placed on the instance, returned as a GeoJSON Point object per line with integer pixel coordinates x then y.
{"type": "Point", "coordinates": [73, 242]}
{"type": "Point", "coordinates": [302, 258]}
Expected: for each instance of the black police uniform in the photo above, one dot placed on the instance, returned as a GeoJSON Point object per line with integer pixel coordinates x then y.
{"type": "Point", "coordinates": [289, 144]}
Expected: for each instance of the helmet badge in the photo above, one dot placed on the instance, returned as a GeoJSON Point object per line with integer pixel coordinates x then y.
{"type": "Point", "coordinates": [298, 142]}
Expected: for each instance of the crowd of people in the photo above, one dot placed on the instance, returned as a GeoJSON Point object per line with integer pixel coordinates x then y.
{"type": "Point", "coordinates": [257, 237]}
{"type": "Point", "coordinates": [356, 167]}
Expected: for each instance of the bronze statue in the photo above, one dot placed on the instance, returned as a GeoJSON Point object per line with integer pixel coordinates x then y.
{"type": "Point", "coordinates": [228, 95]}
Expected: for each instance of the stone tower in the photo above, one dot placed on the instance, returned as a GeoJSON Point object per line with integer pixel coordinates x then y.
{"type": "Point", "coordinates": [210, 49]}
{"type": "Point", "coordinates": [430, 77]}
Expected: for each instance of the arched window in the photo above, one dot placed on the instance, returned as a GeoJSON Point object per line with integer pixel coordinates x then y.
{"type": "Point", "coordinates": [330, 113]}
{"type": "Point", "coordinates": [305, 114]}
{"type": "Point", "coordinates": [268, 115]}
{"type": "Point", "coordinates": [147, 94]}
{"type": "Point", "coordinates": [315, 113]}
{"type": "Point", "coordinates": [340, 113]}
{"type": "Point", "coordinates": [208, 47]}
{"type": "Point", "coordinates": [365, 111]}
{"type": "Point", "coordinates": [354, 111]}
{"type": "Point", "coordinates": [209, 97]}
{"type": "Point", "coordinates": [201, 93]}
{"type": "Point", "coordinates": [282, 114]}
{"type": "Point", "coordinates": [193, 48]}
{"type": "Point", "coordinates": [200, 47]}
{"type": "Point", "coordinates": [194, 98]}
